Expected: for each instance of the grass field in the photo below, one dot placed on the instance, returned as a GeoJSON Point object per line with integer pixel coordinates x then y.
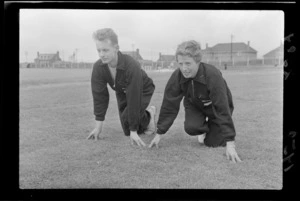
{"type": "Point", "coordinates": [56, 116]}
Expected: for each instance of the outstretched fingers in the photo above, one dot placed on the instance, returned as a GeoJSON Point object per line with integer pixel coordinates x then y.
{"type": "Point", "coordinates": [237, 158]}
{"type": "Point", "coordinates": [233, 157]}
{"type": "Point", "coordinates": [131, 141]}
{"type": "Point", "coordinates": [151, 144]}
{"type": "Point", "coordinates": [91, 136]}
{"type": "Point", "coordinates": [96, 137]}
{"type": "Point", "coordinates": [139, 142]}
{"type": "Point", "coordinates": [142, 143]}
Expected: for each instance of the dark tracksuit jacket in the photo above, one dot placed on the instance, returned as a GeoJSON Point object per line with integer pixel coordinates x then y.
{"type": "Point", "coordinates": [133, 90]}
{"type": "Point", "coordinates": [208, 86]}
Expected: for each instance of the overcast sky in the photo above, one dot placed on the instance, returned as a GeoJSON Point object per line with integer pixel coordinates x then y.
{"type": "Point", "coordinates": [152, 31]}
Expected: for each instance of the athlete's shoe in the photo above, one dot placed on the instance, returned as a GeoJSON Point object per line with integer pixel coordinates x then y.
{"type": "Point", "coordinates": [201, 138]}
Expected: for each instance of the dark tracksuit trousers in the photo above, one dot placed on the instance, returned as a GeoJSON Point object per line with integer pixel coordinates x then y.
{"type": "Point", "coordinates": [200, 120]}
{"type": "Point", "coordinates": [144, 117]}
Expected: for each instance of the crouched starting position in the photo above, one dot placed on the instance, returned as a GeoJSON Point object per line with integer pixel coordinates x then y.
{"type": "Point", "coordinates": [131, 84]}
{"type": "Point", "coordinates": [207, 101]}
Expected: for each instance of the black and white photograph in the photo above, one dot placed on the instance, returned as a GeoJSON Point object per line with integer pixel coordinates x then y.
{"type": "Point", "coordinates": [151, 99]}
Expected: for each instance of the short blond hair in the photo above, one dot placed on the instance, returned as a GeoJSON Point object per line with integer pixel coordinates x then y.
{"type": "Point", "coordinates": [106, 34]}
{"type": "Point", "coordinates": [189, 48]}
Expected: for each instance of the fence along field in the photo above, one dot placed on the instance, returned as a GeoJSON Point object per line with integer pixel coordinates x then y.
{"type": "Point", "coordinates": [56, 116]}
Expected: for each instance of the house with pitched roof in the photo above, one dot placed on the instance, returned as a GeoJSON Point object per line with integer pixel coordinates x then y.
{"type": "Point", "coordinates": [145, 64]}
{"type": "Point", "coordinates": [166, 61]}
{"type": "Point", "coordinates": [225, 52]}
{"type": "Point", "coordinates": [134, 54]}
{"type": "Point", "coordinates": [46, 60]}
{"type": "Point", "coordinates": [274, 57]}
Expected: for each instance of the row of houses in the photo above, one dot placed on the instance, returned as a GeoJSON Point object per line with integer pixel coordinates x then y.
{"type": "Point", "coordinates": [231, 54]}
{"type": "Point", "coordinates": [241, 54]}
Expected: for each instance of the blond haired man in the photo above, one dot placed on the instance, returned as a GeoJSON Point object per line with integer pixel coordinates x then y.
{"type": "Point", "coordinates": [131, 84]}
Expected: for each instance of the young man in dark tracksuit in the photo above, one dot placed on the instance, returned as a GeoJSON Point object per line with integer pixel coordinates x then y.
{"type": "Point", "coordinates": [132, 86]}
{"type": "Point", "coordinates": [207, 101]}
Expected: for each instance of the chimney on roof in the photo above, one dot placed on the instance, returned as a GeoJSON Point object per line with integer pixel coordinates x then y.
{"type": "Point", "coordinates": [248, 45]}
{"type": "Point", "coordinates": [57, 53]}
{"type": "Point", "coordinates": [206, 45]}
{"type": "Point", "coordinates": [160, 55]}
{"type": "Point", "coordinates": [38, 54]}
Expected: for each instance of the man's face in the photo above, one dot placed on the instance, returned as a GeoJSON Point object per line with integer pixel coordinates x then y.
{"type": "Point", "coordinates": [188, 66]}
{"type": "Point", "coordinates": [106, 51]}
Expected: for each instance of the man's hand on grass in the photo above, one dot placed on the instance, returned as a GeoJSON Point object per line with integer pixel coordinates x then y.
{"type": "Point", "coordinates": [155, 141]}
{"type": "Point", "coordinates": [134, 138]}
{"type": "Point", "coordinates": [95, 134]}
{"type": "Point", "coordinates": [231, 153]}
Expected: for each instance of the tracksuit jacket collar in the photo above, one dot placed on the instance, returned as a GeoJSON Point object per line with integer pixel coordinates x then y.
{"type": "Point", "coordinates": [121, 61]}
{"type": "Point", "coordinates": [200, 76]}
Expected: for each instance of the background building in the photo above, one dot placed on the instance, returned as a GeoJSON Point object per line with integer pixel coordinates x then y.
{"type": "Point", "coordinates": [166, 61]}
{"type": "Point", "coordinates": [230, 53]}
{"type": "Point", "coordinates": [221, 55]}
{"type": "Point", "coordinates": [145, 64]}
{"type": "Point", "coordinates": [46, 60]}
{"type": "Point", "coordinates": [274, 57]}
{"type": "Point", "coordinates": [134, 54]}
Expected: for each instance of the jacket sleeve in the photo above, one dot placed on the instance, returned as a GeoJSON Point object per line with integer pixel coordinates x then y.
{"type": "Point", "coordinates": [134, 94]}
{"type": "Point", "coordinates": [218, 94]}
{"type": "Point", "coordinates": [100, 93]}
{"type": "Point", "coordinates": [170, 105]}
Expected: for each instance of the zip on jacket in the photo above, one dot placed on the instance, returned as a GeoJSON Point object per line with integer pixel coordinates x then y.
{"type": "Point", "coordinates": [193, 89]}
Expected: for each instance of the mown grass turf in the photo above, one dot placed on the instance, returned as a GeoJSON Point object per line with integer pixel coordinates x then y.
{"type": "Point", "coordinates": [56, 116]}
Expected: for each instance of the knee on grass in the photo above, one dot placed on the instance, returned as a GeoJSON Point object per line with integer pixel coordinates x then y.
{"type": "Point", "coordinates": [195, 129]}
